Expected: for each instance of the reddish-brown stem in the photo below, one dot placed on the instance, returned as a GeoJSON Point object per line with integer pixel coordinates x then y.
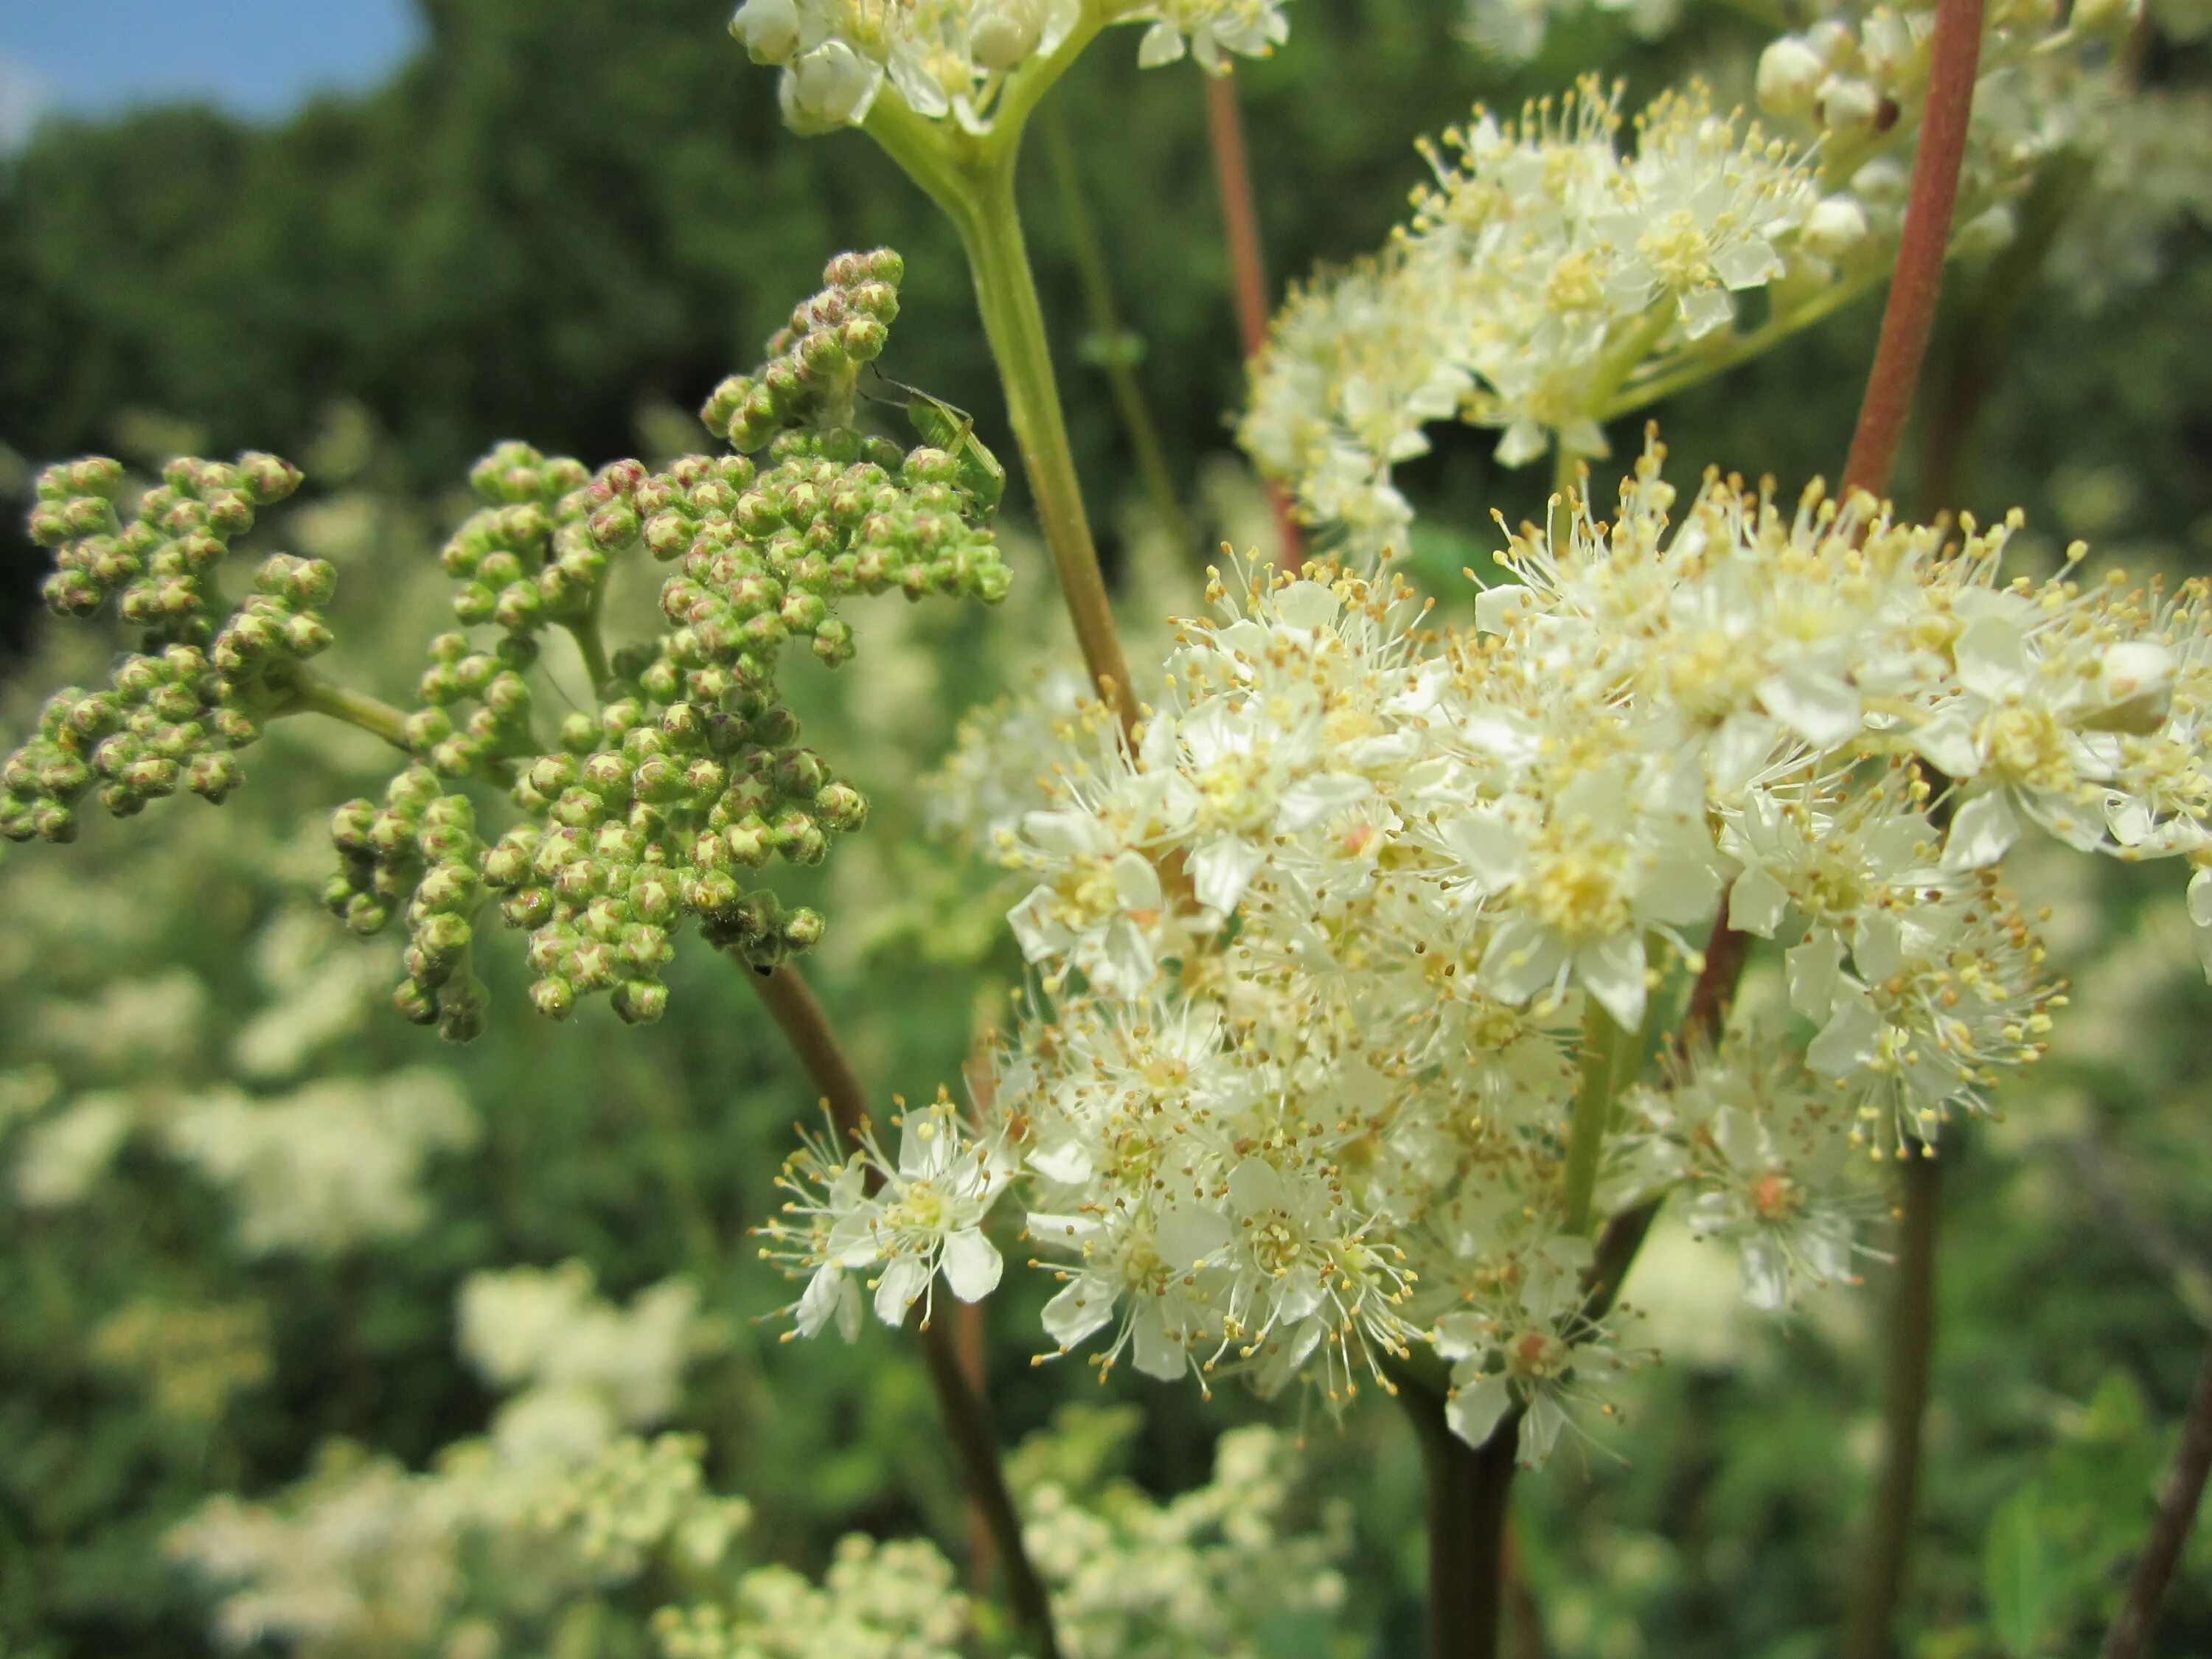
{"type": "Point", "coordinates": [1248, 270]}
{"type": "Point", "coordinates": [1954, 57]}
{"type": "Point", "coordinates": [1715, 985]}
{"type": "Point", "coordinates": [961, 1404]}
{"type": "Point", "coordinates": [2178, 1502]}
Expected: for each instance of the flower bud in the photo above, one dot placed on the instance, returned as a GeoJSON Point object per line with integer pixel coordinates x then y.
{"type": "Point", "coordinates": [1790, 75]}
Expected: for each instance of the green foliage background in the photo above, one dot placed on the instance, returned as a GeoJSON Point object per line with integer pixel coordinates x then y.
{"type": "Point", "coordinates": [569, 218]}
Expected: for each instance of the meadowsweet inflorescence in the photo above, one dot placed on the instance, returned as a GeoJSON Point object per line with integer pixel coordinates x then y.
{"type": "Point", "coordinates": [1548, 283]}
{"type": "Point", "coordinates": [1335, 950]}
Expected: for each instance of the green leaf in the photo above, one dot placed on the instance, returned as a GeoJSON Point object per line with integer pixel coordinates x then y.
{"type": "Point", "coordinates": [2017, 1579]}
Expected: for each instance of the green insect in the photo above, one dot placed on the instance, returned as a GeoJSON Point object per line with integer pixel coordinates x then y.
{"type": "Point", "coordinates": [953, 430]}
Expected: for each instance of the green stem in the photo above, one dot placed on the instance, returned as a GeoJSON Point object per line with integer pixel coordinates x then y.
{"type": "Point", "coordinates": [1602, 1038]}
{"type": "Point", "coordinates": [973, 180]}
{"type": "Point", "coordinates": [1116, 342]}
{"type": "Point", "coordinates": [313, 694]}
{"type": "Point", "coordinates": [585, 630]}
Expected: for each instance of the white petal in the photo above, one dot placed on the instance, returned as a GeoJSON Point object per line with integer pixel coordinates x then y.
{"type": "Point", "coordinates": [1083, 1306]}
{"type": "Point", "coordinates": [1756, 902]}
{"type": "Point", "coordinates": [972, 1265]}
{"type": "Point", "coordinates": [899, 1287]}
{"type": "Point", "coordinates": [1186, 1234]}
{"type": "Point", "coordinates": [1220, 870]}
{"type": "Point", "coordinates": [1157, 1354]}
{"type": "Point", "coordinates": [1820, 708]}
{"type": "Point", "coordinates": [1982, 832]}
{"type": "Point", "coordinates": [1163, 44]}
{"type": "Point", "coordinates": [1612, 970]}
{"type": "Point", "coordinates": [1766, 1273]}
{"type": "Point", "coordinates": [1475, 1409]}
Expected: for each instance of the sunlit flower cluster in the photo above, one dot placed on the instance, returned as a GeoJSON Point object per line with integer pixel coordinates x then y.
{"type": "Point", "coordinates": [1542, 269]}
{"type": "Point", "coordinates": [951, 59]}
{"type": "Point", "coordinates": [1330, 952]}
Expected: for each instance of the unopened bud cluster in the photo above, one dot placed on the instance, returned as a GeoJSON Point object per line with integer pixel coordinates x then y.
{"type": "Point", "coordinates": [176, 712]}
{"type": "Point", "coordinates": [652, 808]}
{"type": "Point", "coordinates": [420, 851]}
{"type": "Point", "coordinates": [808, 378]}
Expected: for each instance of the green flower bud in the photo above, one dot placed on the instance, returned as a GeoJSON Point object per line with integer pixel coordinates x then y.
{"type": "Point", "coordinates": [640, 1001]}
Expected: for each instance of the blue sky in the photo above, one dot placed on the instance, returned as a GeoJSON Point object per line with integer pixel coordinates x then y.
{"type": "Point", "coordinates": [257, 56]}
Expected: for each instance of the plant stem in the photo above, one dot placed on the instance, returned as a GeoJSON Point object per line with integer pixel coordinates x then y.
{"type": "Point", "coordinates": [967, 1417]}
{"type": "Point", "coordinates": [1466, 1492]}
{"type": "Point", "coordinates": [973, 180]}
{"type": "Point", "coordinates": [1911, 1345]}
{"type": "Point", "coordinates": [1118, 345]}
{"type": "Point", "coordinates": [1240, 216]}
{"type": "Point", "coordinates": [1601, 1038]}
{"type": "Point", "coordinates": [1954, 56]}
{"type": "Point", "coordinates": [2178, 1502]}
{"type": "Point", "coordinates": [313, 694]}
{"type": "Point", "coordinates": [585, 630]}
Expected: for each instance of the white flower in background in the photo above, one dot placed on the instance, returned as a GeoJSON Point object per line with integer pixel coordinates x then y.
{"type": "Point", "coordinates": [332, 1166]}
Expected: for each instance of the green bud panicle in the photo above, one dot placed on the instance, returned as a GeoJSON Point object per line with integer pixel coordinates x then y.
{"type": "Point", "coordinates": [197, 689]}
{"type": "Point", "coordinates": [644, 811]}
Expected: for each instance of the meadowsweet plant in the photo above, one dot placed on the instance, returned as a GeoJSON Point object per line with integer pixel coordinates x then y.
{"type": "Point", "coordinates": [1379, 956]}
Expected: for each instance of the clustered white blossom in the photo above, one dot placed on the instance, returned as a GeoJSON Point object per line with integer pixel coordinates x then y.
{"type": "Point", "coordinates": [1548, 282]}
{"type": "Point", "coordinates": [1295, 1095]}
{"type": "Point", "coordinates": [1197, 1577]}
{"type": "Point", "coordinates": [950, 59]}
{"type": "Point", "coordinates": [1541, 269]}
{"type": "Point", "coordinates": [1514, 31]}
{"type": "Point", "coordinates": [564, 1496]}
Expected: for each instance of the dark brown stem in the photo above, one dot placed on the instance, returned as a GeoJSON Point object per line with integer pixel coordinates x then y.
{"type": "Point", "coordinates": [1715, 988]}
{"type": "Point", "coordinates": [2178, 1502]}
{"type": "Point", "coordinates": [966, 1415]}
{"type": "Point", "coordinates": [1911, 1347]}
{"type": "Point", "coordinates": [1953, 58]}
{"type": "Point", "coordinates": [1467, 1489]}
{"type": "Point", "coordinates": [1246, 268]}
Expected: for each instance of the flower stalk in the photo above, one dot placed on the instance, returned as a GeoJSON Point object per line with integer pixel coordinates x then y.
{"type": "Point", "coordinates": [2178, 1502]}
{"type": "Point", "coordinates": [972, 178]}
{"type": "Point", "coordinates": [960, 1403]}
{"type": "Point", "coordinates": [1240, 217]}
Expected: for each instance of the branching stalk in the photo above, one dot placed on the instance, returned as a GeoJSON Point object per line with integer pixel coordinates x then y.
{"type": "Point", "coordinates": [972, 179]}
{"type": "Point", "coordinates": [313, 694]}
{"type": "Point", "coordinates": [1248, 270]}
{"type": "Point", "coordinates": [1601, 1040]}
{"type": "Point", "coordinates": [1118, 345]}
{"type": "Point", "coordinates": [966, 1416]}
{"type": "Point", "coordinates": [2178, 1502]}
{"type": "Point", "coordinates": [1909, 318]}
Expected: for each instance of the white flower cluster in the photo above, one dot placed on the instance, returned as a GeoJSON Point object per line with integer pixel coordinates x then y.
{"type": "Point", "coordinates": [1540, 271]}
{"type": "Point", "coordinates": [1547, 283]}
{"type": "Point", "coordinates": [1298, 1092]}
{"type": "Point", "coordinates": [1198, 1577]}
{"type": "Point", "coordinates": [949, 59]}
{"type": "Point", "coordinates": [334, 1164]}
{"type": "Point", "coordinates": [585, 1368]}
{"type": "Point", "coordinates": [561, 1499]}
{"type": "Point", "coordinates": [1854, 85]}
{"type": "Point", "coordinates": [892, 1225]}
{"type": "Point", "coordinates": [899, 1599]}
{"type": "Point", "coordinates": [1514, 31]}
